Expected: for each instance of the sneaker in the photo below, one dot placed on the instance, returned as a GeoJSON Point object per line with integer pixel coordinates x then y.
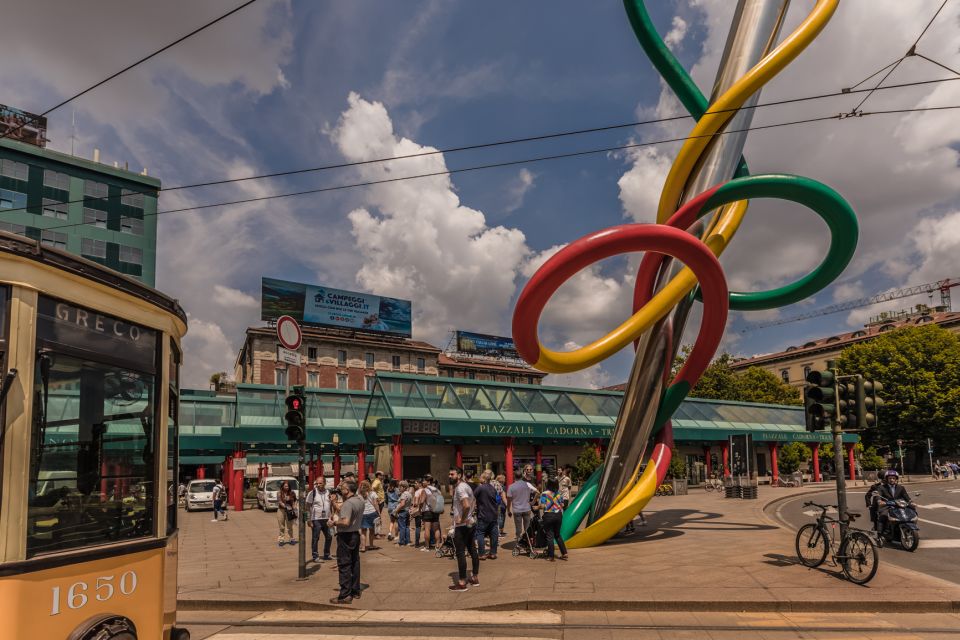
{"type": "Point", "coordinates": [474, 581]}
{"type": "Point", "coordinates": [316, 558]}
{"type": "Point", "coordinates": [425, 549]}
{"type": "Point", "coordinates": [346, 600]}
{"type": "Point", "coordinates": [280, 543]}
{"type": "Point", "coordinates": [292, 542]}
{"type": "Point", "coordinates": [458, 586]}
{"type": "Point", "coordinates": [389, 536]}
{"type": "Point", "coordinates": [327, 557]}
{"type": "Point", "coordinates": [214, 520]}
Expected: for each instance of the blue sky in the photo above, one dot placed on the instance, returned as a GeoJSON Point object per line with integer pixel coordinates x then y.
{"type": "Point", "coordinates": [288, 85]}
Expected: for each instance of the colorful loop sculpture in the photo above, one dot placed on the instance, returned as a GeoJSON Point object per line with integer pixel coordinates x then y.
{"type": "Point", "coordinates": [699, 255]}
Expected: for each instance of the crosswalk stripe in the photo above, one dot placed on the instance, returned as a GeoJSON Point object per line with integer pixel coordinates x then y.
{"type": "Point", "coordinates": [520, 618]}
{"type": "Point", "coordinates": [940, 544]}
{"type": "Point", "coordinates": [939, 524]}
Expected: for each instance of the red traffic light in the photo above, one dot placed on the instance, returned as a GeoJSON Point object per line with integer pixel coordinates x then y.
{"type": "Point", "coordinates": [295, 404]}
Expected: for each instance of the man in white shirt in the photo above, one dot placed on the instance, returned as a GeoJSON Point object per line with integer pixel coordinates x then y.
{"type": "Point", "coordinates": [465, 530]}
{"type": "Point", "coordinates": [520, 496]}
{"type": "Point", "coordinates": [219, 500]}
{"type": "Point", "coordinates": [318, 506]}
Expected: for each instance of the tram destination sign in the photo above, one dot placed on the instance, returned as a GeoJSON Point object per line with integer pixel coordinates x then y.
{"type": "Point", "coordinates": [327, 307]}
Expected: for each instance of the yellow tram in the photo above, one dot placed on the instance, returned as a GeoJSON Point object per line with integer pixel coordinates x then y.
{"type": "Point", "coordinates": [88, 452]}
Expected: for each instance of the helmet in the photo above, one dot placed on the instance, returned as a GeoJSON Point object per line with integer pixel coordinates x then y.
{"type": "Point", "coordinates": [891, 474]}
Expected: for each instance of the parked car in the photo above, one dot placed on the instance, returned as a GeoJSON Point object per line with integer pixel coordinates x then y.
{"type": "Point", "coordinates": [268, 489]}
{"type": "Point", "coordinates": [200, 495]}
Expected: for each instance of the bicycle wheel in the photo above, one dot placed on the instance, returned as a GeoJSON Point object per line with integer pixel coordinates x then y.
{"type": "Point", "coordinates": [708, 487]}
{"type": "Point", "coordinates": [812, 545]}
{"type": "Point", "coordinates": [859, 558]}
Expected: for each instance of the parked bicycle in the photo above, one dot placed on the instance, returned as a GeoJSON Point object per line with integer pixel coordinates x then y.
{"type": "Point", "coordinates": [665, 490]}
{"type": "Point", "coordinates": [851, 548]}
{"type": "Point", "coordinates": [714, 483]}
{"type": "Point", "coordinates": [780, 482]}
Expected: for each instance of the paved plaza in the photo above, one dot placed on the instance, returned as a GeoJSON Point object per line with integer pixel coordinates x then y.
{"type": "Point", "coordinates": [697, 552]}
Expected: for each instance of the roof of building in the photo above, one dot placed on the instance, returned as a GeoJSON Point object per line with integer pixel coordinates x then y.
{"type": "Point", "coordinates": [845, 339]}
{"type": "Point", "coordinates": [83, 163]}
{"type": "Point", "coordinates": [456, 360]}
{"type": "Point", "coordinates": [370, 339]}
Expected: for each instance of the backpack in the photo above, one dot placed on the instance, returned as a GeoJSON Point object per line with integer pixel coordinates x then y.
{"type": "Point", "coordinates": [434, 501]}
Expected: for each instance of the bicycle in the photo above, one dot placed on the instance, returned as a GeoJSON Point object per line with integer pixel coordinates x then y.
{"type": "Point", "coordinates": [665, 490]}
{"type": "Point", "coordinates": [780, 482]}
{"type": "Point", "coordinates": [714, 483]}
{"type": "Point", "coordinates": [855, 551]}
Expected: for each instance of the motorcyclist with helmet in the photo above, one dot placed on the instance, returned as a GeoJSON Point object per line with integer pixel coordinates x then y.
{"type": "Point", "coordinates": [889, 489]}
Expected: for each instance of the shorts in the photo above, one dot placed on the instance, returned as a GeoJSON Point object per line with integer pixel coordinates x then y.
{"type": "Point", "coordinates": [430, 516]}
{"type": "Point", "coordinates": [368, 520]}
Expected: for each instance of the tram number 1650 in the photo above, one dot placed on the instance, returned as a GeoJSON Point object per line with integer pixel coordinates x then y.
{"type": "Point", "coordinates": [77, 595]}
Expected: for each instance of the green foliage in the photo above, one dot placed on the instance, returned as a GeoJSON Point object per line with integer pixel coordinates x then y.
{"type": "Point", "coordinates": [871, 460]}
{"type": "Point", "coordinates": [720, 382]}
{"type": "Point", "coordinates": [587, 462]}
{"type": "Point", "coordinates": [792, 456]}
{"type": "Point", "coordinates": [919, 368]}
{"type": "Point", "coordinates": [678, 465]}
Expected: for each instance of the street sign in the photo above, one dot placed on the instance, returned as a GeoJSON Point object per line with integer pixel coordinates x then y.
{"type": "Point", "coordinates": [239, 464]}
{"type": "Point", "coordinates": [289, 333]}
{"type": "Point", "coordinates": [288, 356]}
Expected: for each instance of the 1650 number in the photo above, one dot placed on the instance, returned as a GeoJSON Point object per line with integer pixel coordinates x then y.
{"type": "Point", "coordinates": [103, 589]}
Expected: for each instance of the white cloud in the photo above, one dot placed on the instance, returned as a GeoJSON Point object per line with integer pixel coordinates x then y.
{"type": "Point", "coordinates": [678, 31]}
{"type": "Point", "coordinates": [519, 189]}
{"type": "Point", "coordinates": [206, 350]}
{"type": "Point", "coordinates": [641, 185]}
{"type": "Point", "coordinates": [848, 291]}
{"type": "Point", "coordinates": [227, 297]}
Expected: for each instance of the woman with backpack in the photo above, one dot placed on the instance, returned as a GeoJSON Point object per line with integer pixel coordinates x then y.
{"type": "Point", "coordinates": [286, 513]}
{"type": "Point", "coordinates": [393, 497]}
{"type": "Point", "coordinates": [552, 506]}
{"type": "Point", "coordinates": [371, 507]}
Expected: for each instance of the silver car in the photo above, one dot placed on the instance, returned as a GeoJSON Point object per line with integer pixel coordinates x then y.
{"type": "Point", "coordinates": [200, 495]}
{"type": "Point", "coordinates": [268, 489]}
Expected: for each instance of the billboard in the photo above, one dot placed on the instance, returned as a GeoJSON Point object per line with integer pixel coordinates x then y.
{"type": "Point", "coordinates": [484, 345]}
{"type": "Point", "coordinates": [328, 307]}
{"type": "Point", "coordinates": [23, 126]}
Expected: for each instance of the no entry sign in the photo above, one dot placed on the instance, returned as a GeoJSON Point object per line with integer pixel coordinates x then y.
{"type": "Point", "coordinates": [288, 333]}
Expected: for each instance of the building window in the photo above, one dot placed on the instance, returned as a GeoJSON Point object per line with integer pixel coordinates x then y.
{"type": "Point", "coordinates": [13, 228]}
{"type": "Point", "coordinates": [342, 381]}
{"type": "Point", "coordinates": [131, 198]}
{"type": "Point", "coordinates": [342, 358]}
{"type": "Point", "coordinates": [54, 239]}
{"type": "Point", "coordinates": [93, 189]}
{"type": "Point", "coordinates": [785, 375]}
{"type": "Point", "coordinates": [93, 248]}
{"type": "Point", "coordinates": [280, 377]}
{"type": "Point", "coordinates": [421, 364]}
{"type": "Point", "coordinates": [131, 225]}
{"type": "Point", "coordinates": [311, 353]}
{"type": "Point", "coordinates": [95, 217]}
{"type": "Point", "coordinates": [806, 371]}
{"type": "Point", "coordinates": [131, 255]}
{"type": "Point", "coordinates": [56, 180]}
{"type": "Point", "coordinates": [369, 357]}
{"type": "Point", "coordinates": [472, 375]}
{"type": "Point", "coordinates": [14, 169]}
{"type": "Point", "coordinates": [54, 209]}
{"type": "Point", "coordinates": [396, 363]}
{"type": "Point", "coordinates": [369, 381]}
{"type": "Point", "coordinates": [313, 379]}
{"type": "Point", "coordinates": [12, 199]}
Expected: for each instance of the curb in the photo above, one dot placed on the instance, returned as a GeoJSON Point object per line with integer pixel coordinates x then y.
{"type": "Point", "coordinates": [775, 606]}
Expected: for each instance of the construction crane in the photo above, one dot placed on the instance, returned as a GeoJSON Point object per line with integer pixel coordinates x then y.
{"type": "Point", "coordinates": [943, 286]}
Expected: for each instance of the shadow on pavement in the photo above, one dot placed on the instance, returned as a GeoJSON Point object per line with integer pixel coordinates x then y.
{"type": "Point", "coordinates": [827, 569]}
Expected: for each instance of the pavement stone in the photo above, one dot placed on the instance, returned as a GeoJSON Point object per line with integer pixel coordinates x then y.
{"type": "Point", "coordinates": [698, 552]}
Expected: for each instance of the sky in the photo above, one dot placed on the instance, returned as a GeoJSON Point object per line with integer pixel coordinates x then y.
{"type": "Point", "coordinates": [286, 85]}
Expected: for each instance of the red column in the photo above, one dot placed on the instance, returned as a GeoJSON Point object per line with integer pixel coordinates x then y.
{"type": "Point", "coordinates": [361, 463]}
{"type": "Point", "coordinates": [508, 459]}
{"type": "Point", "coordinates": [598, 445]}
{"type": "Point", "coordinates": [851, 462]}
{"type": "Point", "coordinates": [774, 471]}
{"type": "Point", "coordinates": [236, 492]}
{"type": "Point", "coordinates": [816, 462]}
{"type": "Point", "coordinates": [397, 450]}
{"type": "Point", "coordinates": [538, 461]}
{"type": "Point", "coordinates": [336, 467]}
{"type": "Point", "coordinates": [458, 455]}
{"type": "Point", "coordinates": [201, 472]}
{"type": "Point", "coordinates": [725, 449]}
{"type": "Point", "coordinates": [706, 456]}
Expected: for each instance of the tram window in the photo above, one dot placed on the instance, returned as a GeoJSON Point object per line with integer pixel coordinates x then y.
{"type": "Point", "coordinates": [173, 438]}
{"type": "Point", "coordinates": [92, 467]}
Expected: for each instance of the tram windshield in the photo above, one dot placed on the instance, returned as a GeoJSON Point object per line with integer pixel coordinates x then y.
{"type": "Point", "coordinates": [93, 462]}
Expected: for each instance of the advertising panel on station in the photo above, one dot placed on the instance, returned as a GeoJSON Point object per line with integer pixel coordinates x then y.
{"type": "Point", "coordinates": [486, 345]}
{"type": "Point", "coordinates": [328, 307]}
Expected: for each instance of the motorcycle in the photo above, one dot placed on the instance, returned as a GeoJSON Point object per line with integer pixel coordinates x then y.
{"type": "Point", "coordinates": [901, 524]}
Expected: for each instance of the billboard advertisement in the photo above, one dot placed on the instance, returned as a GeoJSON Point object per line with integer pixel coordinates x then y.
{"type": "Point", "coordinates": [328, 307]}
{"type": "Point", "coordinates": [484, 345]}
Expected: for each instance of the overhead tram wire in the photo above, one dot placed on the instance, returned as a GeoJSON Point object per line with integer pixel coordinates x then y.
{"type": "Point", "coordinates": [127, 68]}
{"type": "Point", "coordinates": [495, 165]}
{"type": "Point", "coordinates": [497, 143]}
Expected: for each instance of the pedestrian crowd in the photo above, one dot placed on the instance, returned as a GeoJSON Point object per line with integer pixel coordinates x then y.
{"type": "Point", "coordinates": [946, 470]}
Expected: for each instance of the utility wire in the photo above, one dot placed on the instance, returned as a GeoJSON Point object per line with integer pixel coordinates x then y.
{"type": "Point", "coordinates": [910, 52]}
{"type": "Point", "coordinates": [9, 132]}
{"type": "Point", "coordinates": [839, 116]}
{"type": "Point", "coordinates": [488, 145]}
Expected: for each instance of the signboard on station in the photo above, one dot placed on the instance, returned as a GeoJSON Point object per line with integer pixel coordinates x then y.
{"type": "Point", "coordinates": [486, 345]}
{"type": "Point", "coordinates": [328, 307]}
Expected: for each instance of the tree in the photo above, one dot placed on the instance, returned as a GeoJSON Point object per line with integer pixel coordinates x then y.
{"type": "Point", "coordinates": [720, 382]}
{"type": "Point", "coordinates": [792, 456]}
{"type": "Point", "coordinates": [587, 462]}
{"type": "Point", "coordinates": [678, 466]}
{"type": "Point", "coordinates": [218, 379]}
{"type": "Point", "coordinates": [919, 368]}
{"type": "Point", "coordinates": [871, 460]}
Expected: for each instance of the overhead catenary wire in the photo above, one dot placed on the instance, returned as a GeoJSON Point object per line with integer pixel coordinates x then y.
{"type": "Point", "coordinates": [484, 145]}
{"type": "Point", "coordinates": [508, 163]}
{"type": "Point", "coordinates": [130, 66]}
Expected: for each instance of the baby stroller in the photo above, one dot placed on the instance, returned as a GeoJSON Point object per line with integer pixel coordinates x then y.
{"type": "Point", "coordinates": [533, 541]}
{"type": "Point", "coordinates": [446, 549]}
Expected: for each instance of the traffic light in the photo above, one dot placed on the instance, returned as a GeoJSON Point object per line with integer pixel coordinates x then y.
{"type": "Point", "coordinates": [819, 398]}
{"type": "Point", "coordinates": [868, 402]}
{"type": "Point", "coordinates": [296, 416]}
{"type": "Point", "coordinates": [847, 405]}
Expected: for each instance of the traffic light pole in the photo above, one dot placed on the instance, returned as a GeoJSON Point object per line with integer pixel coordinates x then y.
{"type": "Point", "coordinates": [841, 480]}
{"type": "Point", "coordinates": [302, 519]}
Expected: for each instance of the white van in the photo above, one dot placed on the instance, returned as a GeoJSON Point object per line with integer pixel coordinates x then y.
{"type": "Point", "coordinates": [268, 489]}
{"type": "Point", "coordinates": [200, 494]}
